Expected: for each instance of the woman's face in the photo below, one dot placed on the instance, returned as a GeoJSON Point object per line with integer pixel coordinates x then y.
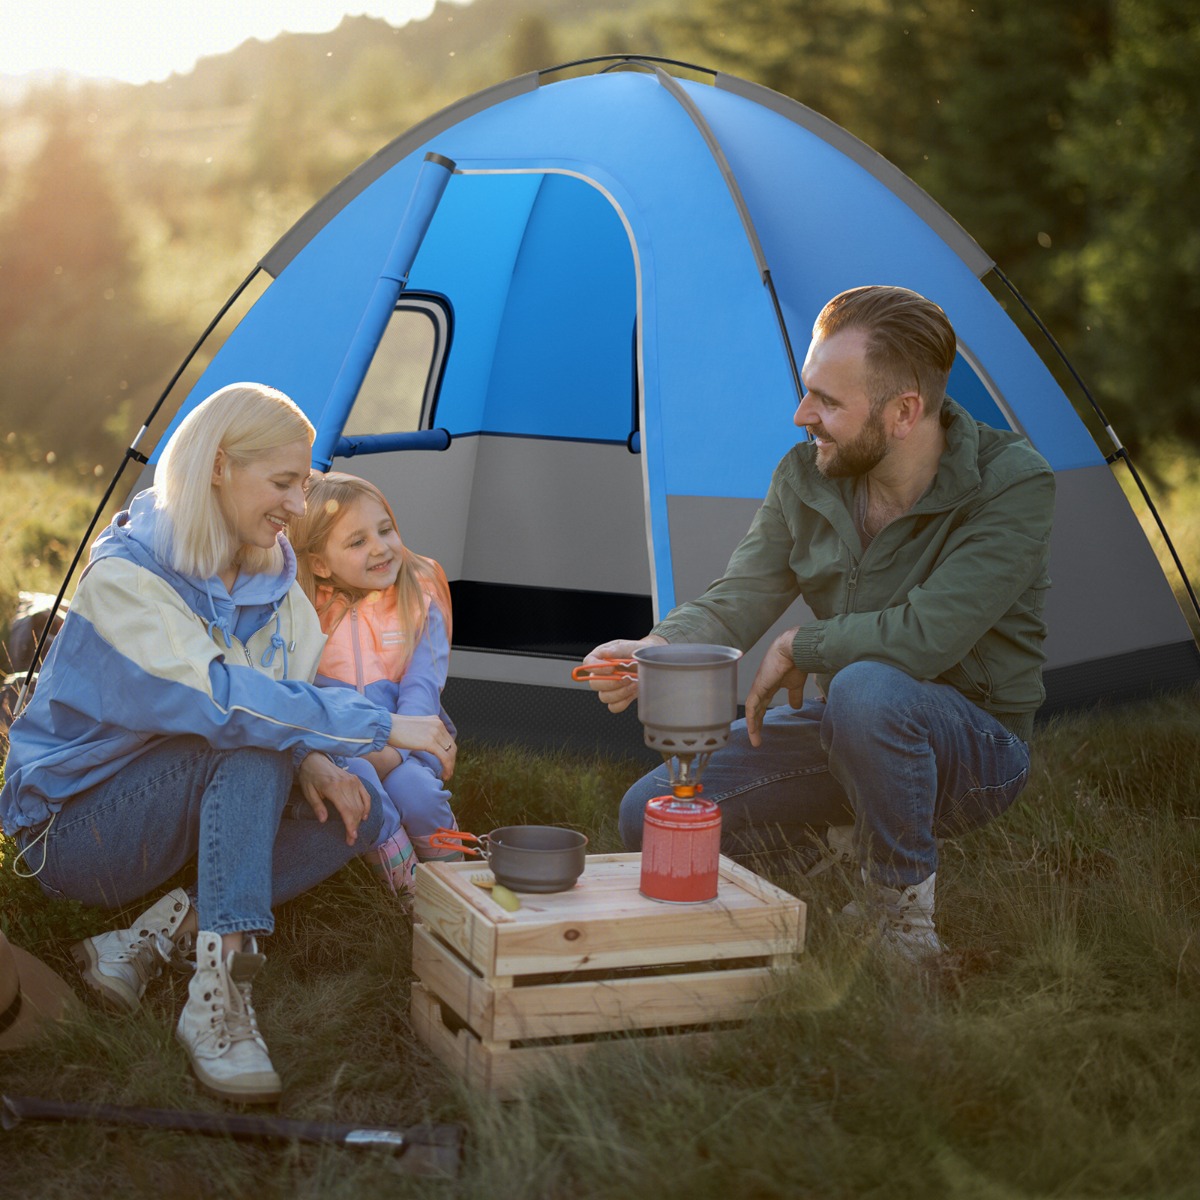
{"type": "Point", "coordinates": [260, 497]}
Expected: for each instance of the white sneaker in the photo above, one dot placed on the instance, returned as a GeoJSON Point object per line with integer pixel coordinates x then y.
{"type": "Point", "coordinates": [118, 965]}
{"type": "Point", "coordinates": [905, 919]}
{"type": "Point", "coordinates": [836, 849]}
{"type": "Point", "coordinates": [218, 1027]}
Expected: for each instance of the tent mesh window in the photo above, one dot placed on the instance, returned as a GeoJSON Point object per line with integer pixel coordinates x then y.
{"type": "Point", "coordinates": [398, 393]}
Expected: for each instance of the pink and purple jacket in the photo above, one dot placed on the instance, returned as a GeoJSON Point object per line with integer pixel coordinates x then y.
{"type": "Point", "coordinates": [365, 651]}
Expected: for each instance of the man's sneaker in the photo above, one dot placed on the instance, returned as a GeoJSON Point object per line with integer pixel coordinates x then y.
{"type": "Point", "coordinates": [834, 849]}
{"type": "Point", "coordinates": [218, 1028]}
{"type": "Point", "coordinates": [904, 919]}
{"type": "Point", "coordinates": [118, 965]}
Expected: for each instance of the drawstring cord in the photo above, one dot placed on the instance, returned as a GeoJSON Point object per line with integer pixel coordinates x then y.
{"type": "Point", "coordinates": [276, 644]}
{"type": "Point", "coordinates": [41, 837]}
{"type": "Point", "coordinates": [216, 622]}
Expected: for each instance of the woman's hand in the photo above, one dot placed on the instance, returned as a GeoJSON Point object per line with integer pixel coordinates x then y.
{"type": "Point", "coordinates": [425, 733]}
{"type": "Point", "coordinates": [322, 781]}
{"type": "Point", "coordinates": [618, 694]}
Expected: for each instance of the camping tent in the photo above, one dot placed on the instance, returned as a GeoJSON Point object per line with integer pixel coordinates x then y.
{"type": "Point", "coordinates": [555, 324]}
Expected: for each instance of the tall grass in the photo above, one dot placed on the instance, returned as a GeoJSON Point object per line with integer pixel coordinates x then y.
{"type": "Point", "coordinates": [1058, 1054]}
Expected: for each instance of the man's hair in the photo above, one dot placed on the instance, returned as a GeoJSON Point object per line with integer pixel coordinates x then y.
{"type": "Point", "coordinates": [910, 341]}
{"type": "Point", "coordinates": [246, 420]}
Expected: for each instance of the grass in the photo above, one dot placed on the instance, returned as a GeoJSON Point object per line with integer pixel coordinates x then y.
{"type": "Point", "coordinates": [1058, 1056]}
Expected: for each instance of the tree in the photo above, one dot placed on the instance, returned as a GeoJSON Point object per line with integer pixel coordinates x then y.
{"type": "Point", "coordinates": [1133, 143]}
{"type": "Point", "coordinates": [75, 340]}
{"type": "Point", "coordinates": [532, 47]}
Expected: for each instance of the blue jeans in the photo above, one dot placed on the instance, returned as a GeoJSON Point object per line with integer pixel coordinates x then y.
{"type": "Point", "coordinates": [906, 761]}
{"type": "Point", "coordinates": [184, 800]}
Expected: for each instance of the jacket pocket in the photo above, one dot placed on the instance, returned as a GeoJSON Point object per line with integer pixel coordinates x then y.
{"type": "Point", "coordinates": [971, 677]}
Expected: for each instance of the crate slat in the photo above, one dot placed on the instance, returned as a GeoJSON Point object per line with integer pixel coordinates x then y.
{"type": "Point", "coordinates": [571, 1008]}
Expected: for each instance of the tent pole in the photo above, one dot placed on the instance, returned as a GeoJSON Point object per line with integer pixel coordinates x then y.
{"type": "Point", "coordinates": [131, 452]}
{"type": "Point", "coordinates": [735, 191]}
{"type": "Point", "coordinates": [1119, 451]}
{"type": "Point", "coordinates": [430, 184]}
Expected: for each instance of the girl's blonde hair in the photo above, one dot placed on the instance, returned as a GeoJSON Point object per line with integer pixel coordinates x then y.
{"type": "Point", "coordinates": [421, 581]}
{"type": "Point", "coordinates": [246, 420]}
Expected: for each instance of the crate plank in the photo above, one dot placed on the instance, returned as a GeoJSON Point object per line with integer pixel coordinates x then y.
{"type": "Point", "coordinates": [572, 1008]}
{"type": "Point", "coordinates": [502, 1070]}
{"type": "Point", "coordinates": [604, 921]}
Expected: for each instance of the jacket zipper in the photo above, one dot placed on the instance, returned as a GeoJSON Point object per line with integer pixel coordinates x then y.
{"type": "Point", "coordinates": [358, 667]}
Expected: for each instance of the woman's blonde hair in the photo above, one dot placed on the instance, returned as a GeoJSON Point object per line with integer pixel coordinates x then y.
{"type": "Point", "coordinates": [421, 581]}
{"type": "Point", "coordinates": [246, 420]}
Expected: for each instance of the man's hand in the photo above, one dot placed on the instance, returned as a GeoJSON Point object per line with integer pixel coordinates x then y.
{"type": "Point", "coordinates": [618, 694]}
{"type": "Point", "coordinates": [322, 781]}
{"type": "Point", "coordinates": [775, 671]}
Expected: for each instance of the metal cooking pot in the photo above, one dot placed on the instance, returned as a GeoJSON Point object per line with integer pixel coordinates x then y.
{"type": "Point", "coordinates": [687, 693]}
{"type": "Point", "coordinates": [524, 858]}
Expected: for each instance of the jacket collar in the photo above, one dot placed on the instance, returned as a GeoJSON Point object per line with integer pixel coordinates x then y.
{"type": "Point", "coordinates": [957, 475]}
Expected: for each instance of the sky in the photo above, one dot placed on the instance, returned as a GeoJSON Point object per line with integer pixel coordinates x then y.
{"type": "Point", "coordinates": [139, 41]}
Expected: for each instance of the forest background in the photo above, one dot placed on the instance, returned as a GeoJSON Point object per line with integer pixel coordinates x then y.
{"type": "Point", "coordinates": [1062, 136]}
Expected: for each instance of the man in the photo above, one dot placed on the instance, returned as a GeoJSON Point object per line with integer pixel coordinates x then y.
{"type": "Point", "coordinates": [919, 539]}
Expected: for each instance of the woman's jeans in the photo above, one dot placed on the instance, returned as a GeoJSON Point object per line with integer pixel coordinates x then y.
{"type": "Point", "coordinates": [183, 799]}
{"type": "Point", "coordinates": [906, 761]}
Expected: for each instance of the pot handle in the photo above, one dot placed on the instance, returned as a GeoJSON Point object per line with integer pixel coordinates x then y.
{"type": "Point", "coordinates": [616, 669]}
{"type": "Point", "coordinates": [453, 839]}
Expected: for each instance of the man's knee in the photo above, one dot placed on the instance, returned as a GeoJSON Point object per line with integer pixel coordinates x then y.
{"type": "Point", "coordinates": [863, 694]}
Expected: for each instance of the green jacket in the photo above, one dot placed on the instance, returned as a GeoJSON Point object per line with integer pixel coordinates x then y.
{"type": "Point", "coordinates": [953, 591]}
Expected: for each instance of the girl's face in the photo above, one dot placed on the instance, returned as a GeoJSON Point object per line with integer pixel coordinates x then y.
{"type": "Point", "coordinates": [260, 497]}
{"type": "Point", "coordinates": [363, 550]}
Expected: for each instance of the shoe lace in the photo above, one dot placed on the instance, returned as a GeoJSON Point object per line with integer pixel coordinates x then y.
{"type": "Point", "coordinates": [146, 954]}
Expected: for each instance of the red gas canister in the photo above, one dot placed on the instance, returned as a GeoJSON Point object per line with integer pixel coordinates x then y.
{"type": "Point", "coordinates": [681, 845]}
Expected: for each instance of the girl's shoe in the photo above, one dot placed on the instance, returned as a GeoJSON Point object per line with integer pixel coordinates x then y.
{"type": "Point", "coordinates": [218, 1027]}
{"type": "Point", "coordinates": [395, 863]}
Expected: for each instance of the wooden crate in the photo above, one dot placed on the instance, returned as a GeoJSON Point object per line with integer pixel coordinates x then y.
{"type": "Point", "coordinates": [499, 994]}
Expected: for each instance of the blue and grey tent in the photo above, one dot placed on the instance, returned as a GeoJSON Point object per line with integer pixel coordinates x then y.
{"type": "Point", "coordinates": [555, 324]}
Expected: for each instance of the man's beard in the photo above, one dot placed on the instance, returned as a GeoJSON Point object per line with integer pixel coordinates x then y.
{"type": "Point", "coordinates": [851, 459]}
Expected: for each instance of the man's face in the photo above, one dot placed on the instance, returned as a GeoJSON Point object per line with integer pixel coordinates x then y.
{"type": "Point", "coordinates": [850, 437]}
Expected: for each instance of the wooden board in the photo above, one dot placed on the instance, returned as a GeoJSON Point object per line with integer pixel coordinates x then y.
{"type": "Point", "coordinates": [498, 1068]}
{"type": "Point", "coordinates": [604, 922]}
{"type": "Point", "coordinates": [585, 1006]}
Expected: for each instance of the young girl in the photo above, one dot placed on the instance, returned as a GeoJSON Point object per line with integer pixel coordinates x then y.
{"type": "Point", "coordinates": [387, 613]}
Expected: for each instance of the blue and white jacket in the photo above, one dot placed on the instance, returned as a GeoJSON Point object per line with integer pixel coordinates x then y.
{"type": "Point", "coordinates": [147, 654]}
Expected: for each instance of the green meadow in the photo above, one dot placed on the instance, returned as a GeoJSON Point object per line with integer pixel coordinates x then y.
{"type": "Point", "coordinates": [1057, 1053]}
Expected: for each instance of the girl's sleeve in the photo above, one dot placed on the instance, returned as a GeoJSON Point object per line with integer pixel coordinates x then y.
{"type": "Point", "coordinates": [420, 689]}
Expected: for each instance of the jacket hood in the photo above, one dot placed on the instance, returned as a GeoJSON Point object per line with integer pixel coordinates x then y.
{"type": "Point", "coordinates": [133, 534]}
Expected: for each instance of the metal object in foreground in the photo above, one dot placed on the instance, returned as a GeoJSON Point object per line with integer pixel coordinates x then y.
{"type": "Point", "coordinates": [421, 1149]}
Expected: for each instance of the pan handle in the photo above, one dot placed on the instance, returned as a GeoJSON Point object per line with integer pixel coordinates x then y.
{"type": "Point", "coordinates": [615, 669]}
{"type": "Point", "coordinates": [453, 839]}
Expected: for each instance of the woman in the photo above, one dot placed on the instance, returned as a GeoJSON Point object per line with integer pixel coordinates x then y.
{"type": "Point", "coordinates": [173, 713]}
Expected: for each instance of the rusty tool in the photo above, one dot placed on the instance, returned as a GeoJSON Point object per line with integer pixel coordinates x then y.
{"type": "Point", "coordinates": [423, 1149]}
